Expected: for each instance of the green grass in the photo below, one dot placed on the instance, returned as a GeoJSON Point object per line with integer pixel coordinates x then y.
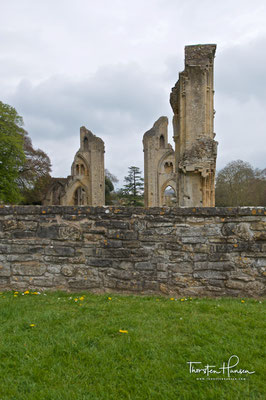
{"type": "Point", "coordinates": [76, 352]}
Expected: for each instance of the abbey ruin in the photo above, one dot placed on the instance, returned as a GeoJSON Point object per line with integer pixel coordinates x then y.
{"type": "Point", "coordinates": [189, 170]}
{"type": "Point", "coordinates": [183, 176]}
{"type": "Point", "coordinates": [85, 186]}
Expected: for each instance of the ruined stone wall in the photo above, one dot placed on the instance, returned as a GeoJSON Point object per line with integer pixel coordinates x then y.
{"type": "Point", "coordinates": [86, 184]}
{"type": "Point", "coordinates": [173, 251]}
{"type": "Point", "coordinates": [159, 164]}
{"type": "Point", "coordinates": [195, 148]}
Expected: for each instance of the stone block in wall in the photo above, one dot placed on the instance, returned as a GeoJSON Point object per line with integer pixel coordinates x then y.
{"type": "Point", "coordinates": [113, 253]}
{"type": "Point", "coordinates": [256, 288]}
{"type": "Point", "coordinates": [99, 262]}
{"type": "Point", "coordinates": [67, 270]}
{"type": "Point", "coordinates": [120, 273]}
{"type": "Point", "coordinates": [121, 234]}
{"type": "Point", "coordinates": [60, 251]}
{"type": "Point", "coordinates": [152, 286]}
{"type": "Point", "coordinates": [235, 284]}
{"type": "Point", "coordinates": [5, 269]}
{"type": "Point", "coordinates": [144, 266]}
{"type": "Point", "coordinates": [23, 257]}
{"type": "Point", "coordinates": [52, 281]}
{"type": "Point", "coordinates": [132, 285]}
{"type": "Point", "coordinates": [208, 265]}
{"type": "Point", "coordinates": [30, 268]}
{"type": "Point", "coordinates": [70, 233]}
{"type": "Point", "coordinates": [23, 234]}
{"type": "Point", "coordinates": [126, 265]}
{"type": "Point", "coordinates": [111, 224]}
{"type": "Point", "coordinates": [131, 244]}
{"type": "Point", "coordinates": [79, 283]}
{"type": "Point", "coordinates": [53, 269]}
{"type": "Point", "coordinates": [162, 276]}
{"type": "Point", "coordinates": [4, 282]}
{"type": "Point", "coordinates": [212, 274]}
{"type": "Point", "coordinates": [63, 260]}
{"type": "Point", "coordinates": [181, 267]}
{"type": "Point", "coordinates": [240, 230]}
{"type": "Point", "coordinates": [108, 243]}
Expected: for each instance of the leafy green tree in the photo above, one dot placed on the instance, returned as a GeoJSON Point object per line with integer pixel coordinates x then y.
{"type": "Point", "coordinates": [238, 184]}
{"type": "Point", "coordinates": [132, 191]}
{"type": "Point", "coordinates": [12, 157]}
{"type": "Point", "coordinates": [34, 175]}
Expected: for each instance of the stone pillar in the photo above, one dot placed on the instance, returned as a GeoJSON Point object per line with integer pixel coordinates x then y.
{"type": "Point", "coordinates": [195, 148]}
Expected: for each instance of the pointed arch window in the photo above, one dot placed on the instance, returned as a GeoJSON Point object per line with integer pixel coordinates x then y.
{"type": "Point", "coordinates": [162, 142]}
{"type": "Point", "coordinates": [169, 196]}
{"type": "Point", "coordinates": [86, 144]}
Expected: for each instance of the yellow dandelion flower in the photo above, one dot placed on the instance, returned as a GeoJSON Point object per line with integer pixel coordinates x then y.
{"type": "Point", "coordinates": [81, 298]}
{"type": "Point", "coordinates": [109, 298]}
{"type": "Point", "coordinates": [15, 295]}
{"type": "Point", "coordinates": [122, 331]}
{"type": "Point", "coordinates": [182, 299]}
{"type": "Point", "coordinates": [15, 292]}
{"type": "Point", "coordinates": [27, 292]}
{"type": "Point", "coordinates": [35, 293]}
{"type": "Point", "coordinates": [172, 298]}
{"type": "Point", "coordinates": [242, 301]}
{"type": "Point", "coordinates": [32, 325]}
{"type": "Point", "coordinates": [76, 299]}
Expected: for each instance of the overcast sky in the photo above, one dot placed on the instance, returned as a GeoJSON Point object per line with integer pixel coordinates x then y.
{"type": "Point", "coordinates": [110, 66]}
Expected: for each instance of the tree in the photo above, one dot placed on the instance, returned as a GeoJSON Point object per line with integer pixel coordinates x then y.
{"type": "Point", "coordinates": [12, 157]}
{"type": "Point", "coordinates": [34, 175]}
{"type": "Point", "coordinates": [238, 184]}
{"type": "Point", "coordinates": [132, 191]}
{"type": "Point", "coordinates": [109, 187]}
{"type": "Point", "coordinates": [24, 171]}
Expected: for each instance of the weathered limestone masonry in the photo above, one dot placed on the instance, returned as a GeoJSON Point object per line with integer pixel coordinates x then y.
{"type": "Point", "coordinates": [173, 251]}
{"type": "Point", "coordinates": [159, 164]}
{"type": "Point", "coordinates": [195, 148]}
{"type": "Point", "coordinates": [85, 185]}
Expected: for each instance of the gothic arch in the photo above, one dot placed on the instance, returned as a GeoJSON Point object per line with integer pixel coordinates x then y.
{"type": "Point", "coordinates": [79, 157]}
{"type": "Point", "coordinates": [169, 182]}
{"type": "Point", "coordinates": [72, 190]}
{"type": "Point", "coordinates": [169, 153]}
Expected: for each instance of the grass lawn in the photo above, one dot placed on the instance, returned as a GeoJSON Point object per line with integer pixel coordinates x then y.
{"type": "Point", "coordinates": [69, 346]}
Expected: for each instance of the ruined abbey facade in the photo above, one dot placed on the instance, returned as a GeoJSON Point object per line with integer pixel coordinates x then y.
{"type": "Point", "coordinates": [85, 185]}
{"type": "Point", "coordinates": [188, 172]}
{"type": "Point", "coordinates": [183, 176]}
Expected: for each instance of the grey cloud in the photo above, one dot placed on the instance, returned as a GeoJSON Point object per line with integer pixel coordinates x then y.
{"type": "Point", "coordinates": [240, 70]}
{"type": "Point", "coordinates": [114, 98]}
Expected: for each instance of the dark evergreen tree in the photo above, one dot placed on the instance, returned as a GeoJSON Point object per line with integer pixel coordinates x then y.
{"type": "Point", "coordinates": [132, 190]}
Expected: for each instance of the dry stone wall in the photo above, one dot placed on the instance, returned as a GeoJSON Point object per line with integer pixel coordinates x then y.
{"type": "Point", "coordinates": [171, 251]}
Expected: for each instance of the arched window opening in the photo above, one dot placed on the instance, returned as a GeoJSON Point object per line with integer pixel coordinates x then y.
{"type": "Point", "coordinates": [86, 144]}
{"type": "Point", "coordinates": [82, 168]}
{"type": "Point", "coordinates": [168, 167]}
{"type": "Point", "coordinates": [162, 143]}
{"type": "Point", "coordinates": [80, 197]}
{"type": "Point", "coordinates": [77, 169]}
{"type": "Point", "coordinates": [169, 196]}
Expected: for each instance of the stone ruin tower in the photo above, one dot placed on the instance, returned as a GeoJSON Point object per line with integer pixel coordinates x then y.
{"type": "Point", "coordinates": [86, 184]}
{"type": "Point", "coordinates": [195, 148]}
{"type": "Point", "coordinates": [159, 165]}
